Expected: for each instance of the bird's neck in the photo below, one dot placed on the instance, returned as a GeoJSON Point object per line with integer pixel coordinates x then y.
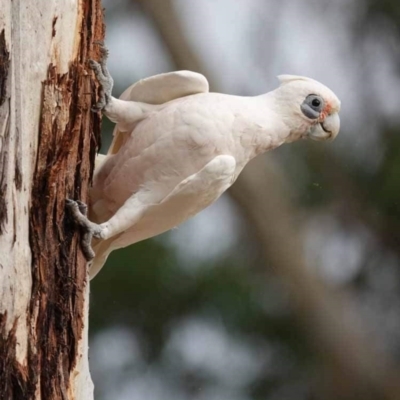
{"type": "Point", "coordinates": [265, 130]}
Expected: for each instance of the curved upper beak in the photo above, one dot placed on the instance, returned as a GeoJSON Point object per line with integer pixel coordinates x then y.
{"type": "Point", "coordinates": [327, 129]}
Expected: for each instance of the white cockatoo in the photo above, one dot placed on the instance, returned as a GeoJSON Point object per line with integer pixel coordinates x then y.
{"type": "Point", "coordinates": [177, 147]}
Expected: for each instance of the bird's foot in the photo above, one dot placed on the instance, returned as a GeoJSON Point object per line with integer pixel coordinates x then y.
{"type": "Point", "coordinates": [78, 212]}
{"type": "Point", "coordinates": [103, 76]}
{"type": "Point", "coordinates": [82, 207]}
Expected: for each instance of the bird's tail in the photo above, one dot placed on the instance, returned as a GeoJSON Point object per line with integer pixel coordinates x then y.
{"type": "Point", "coordinates": [102, 250]}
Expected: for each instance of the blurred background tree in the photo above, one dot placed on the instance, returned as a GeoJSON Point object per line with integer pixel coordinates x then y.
{"type": "Point", "coordinates": [288, 287]}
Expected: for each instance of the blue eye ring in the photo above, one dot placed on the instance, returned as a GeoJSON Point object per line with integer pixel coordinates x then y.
{"type": "Point", "coordinates": [312, 106]}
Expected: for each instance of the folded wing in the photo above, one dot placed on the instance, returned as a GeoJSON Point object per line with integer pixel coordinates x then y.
{"type": "Point", "coordinates": [159, 89]}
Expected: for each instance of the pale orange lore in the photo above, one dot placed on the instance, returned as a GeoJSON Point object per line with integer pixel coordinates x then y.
{"type": "Point", "coordinates": [325, 112]}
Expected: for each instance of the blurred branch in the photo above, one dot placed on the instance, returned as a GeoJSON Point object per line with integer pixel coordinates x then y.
{"type": "Point", "coordinates": [352, 369]}
{"type": "Point", "coordinates": [171, 33]}
{"type": "Point", "coordinates": [354, 202]}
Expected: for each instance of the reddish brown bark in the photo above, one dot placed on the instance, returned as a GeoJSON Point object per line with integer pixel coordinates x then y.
{"type": "Point", "coordinates": [4, 112]}
{"type": "Point", "coordinates": [69, 137]}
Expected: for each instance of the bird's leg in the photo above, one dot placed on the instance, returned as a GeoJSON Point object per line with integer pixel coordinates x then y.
{"type": "Point", "coordinates": [87, 236]}
{"type": "Point", "coordinates": [82, 207]}
{"type": "Point", "coordinates": [123, 219]}
{"type": "Point", "coordinates": [125, 113]}
{"type": "Point", "coordinates": [103, 76]}
{"type": "Point", "coordinates": [78, 212]}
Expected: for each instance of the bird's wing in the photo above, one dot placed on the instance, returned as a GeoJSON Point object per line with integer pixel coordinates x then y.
{"type": "Point", "coordinates": [165, 148]}
{"type": "Point", "coordinates": [159, 89]}
{"type": "Point", "coordinates": [188, 197]}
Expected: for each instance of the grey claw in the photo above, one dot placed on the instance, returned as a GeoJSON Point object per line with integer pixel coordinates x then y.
{"type": "Point", "coordinates": [103, 48]}
{"type": "Point", "coordinates": [93, 64]}
{"type": "Point", "coordinates": [72, 205]}
{"type": "Point", "coordinates": [82, 207]}
{"type": "Point", "coordinates": [104, 51]}
{"type": "Point", "coordinates": [98, 107]}
{"type": "Point", "coordinates": [86, 246]}
{"type": "Point", "coordinates": [104, 78]}
{"type": "Point", "coordinates": [78, 211]}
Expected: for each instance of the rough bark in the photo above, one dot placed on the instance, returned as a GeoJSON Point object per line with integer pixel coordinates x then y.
{"type": "Point", "coordinates": [48, 140]}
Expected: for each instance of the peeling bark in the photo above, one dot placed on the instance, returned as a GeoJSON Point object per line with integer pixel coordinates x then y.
{"type": "Point", "coordinates": [63, 169]}
{"type": "Point", "coordinates": [4, 66]}
{"type": "Point", "coordinates": [13, 377]}
{"type": "Point", "coordinates": [48, 141]}
{"type": "Point", "coordinates": [4, 124]}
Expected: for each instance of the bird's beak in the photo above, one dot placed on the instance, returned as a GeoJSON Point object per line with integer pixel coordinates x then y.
{"type": "Point", "coordinates": [327, 129]}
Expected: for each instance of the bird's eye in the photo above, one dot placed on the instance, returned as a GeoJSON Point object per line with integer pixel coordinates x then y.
{"type": "Point", "coordinates": [312, 106]}
{"type": "Point", "coordinates": [316, 103]}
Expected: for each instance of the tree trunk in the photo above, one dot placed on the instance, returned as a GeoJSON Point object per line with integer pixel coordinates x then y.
{"type": "Point", "coordinates": [48, 140]}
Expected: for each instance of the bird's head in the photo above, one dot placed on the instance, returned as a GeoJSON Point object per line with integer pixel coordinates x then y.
{"type": "Point", "coordinates": [308, 108]}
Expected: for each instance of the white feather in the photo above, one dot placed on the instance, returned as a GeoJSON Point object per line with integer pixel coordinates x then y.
{"type": "Point", "coordinates": [179, 151]}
